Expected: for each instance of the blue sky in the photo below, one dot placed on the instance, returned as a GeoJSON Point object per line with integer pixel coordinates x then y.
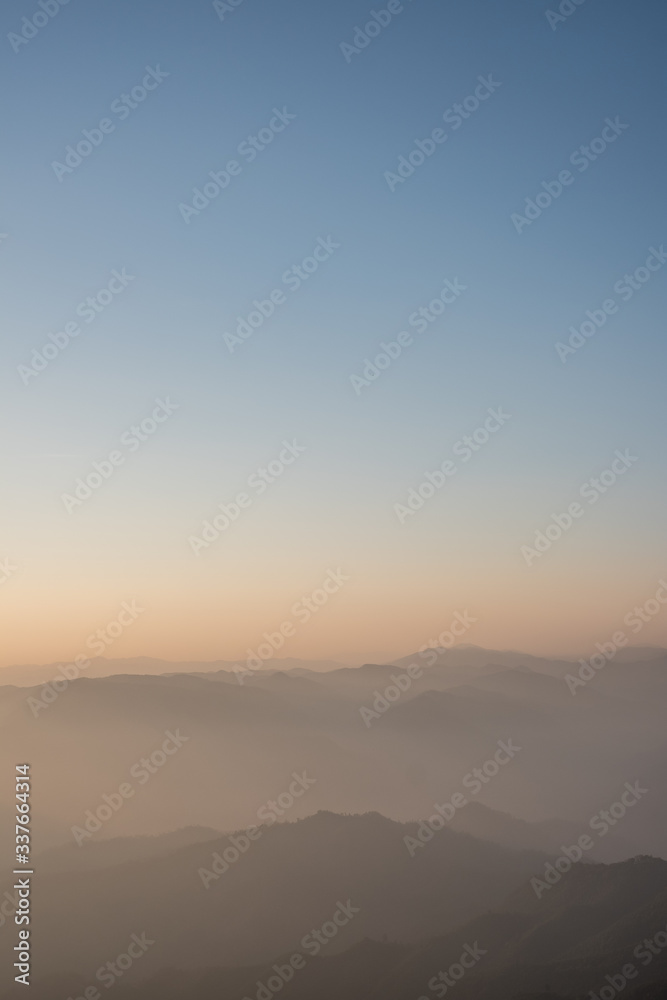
{"type": "Point", "coordinates": [323, 176]}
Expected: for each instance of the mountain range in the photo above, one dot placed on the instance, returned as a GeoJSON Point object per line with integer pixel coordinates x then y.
{"type": "Point", "coordinates": [413, 809]}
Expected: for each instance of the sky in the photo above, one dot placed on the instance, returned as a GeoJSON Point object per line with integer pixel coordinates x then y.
{"type": "Point", "coordinates": [306, 118]}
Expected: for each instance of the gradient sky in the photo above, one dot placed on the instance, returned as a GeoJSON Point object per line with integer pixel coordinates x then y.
{"type": "Point", "coordinates": [324, 176]}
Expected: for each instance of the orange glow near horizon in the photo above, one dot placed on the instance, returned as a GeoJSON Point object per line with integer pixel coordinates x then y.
{"type": "Point", "coordinates": [363, 620]}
